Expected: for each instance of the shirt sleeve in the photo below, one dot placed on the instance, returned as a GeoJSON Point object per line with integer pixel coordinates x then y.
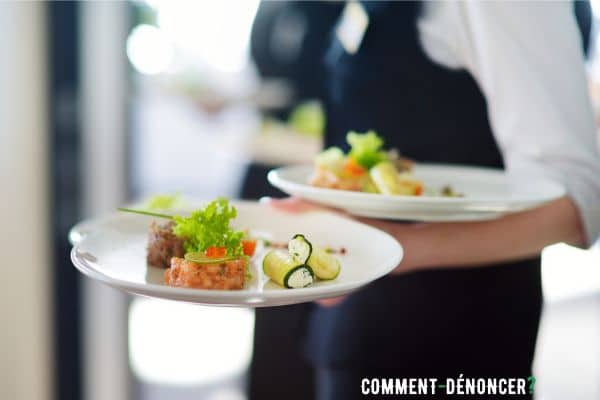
{"type": "Point", "coordinates": [527, 58]}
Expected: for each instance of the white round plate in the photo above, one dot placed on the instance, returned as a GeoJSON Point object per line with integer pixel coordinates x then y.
{"type": "Point", "coordinates": [488, 194]}
{"type": "Point", "coordinates": [112, 250]}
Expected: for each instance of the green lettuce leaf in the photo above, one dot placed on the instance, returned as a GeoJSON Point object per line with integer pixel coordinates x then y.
{"type": "Point", "coordinates": [209, 227]}
{"type": "Point", "coordinates": [365, 148]}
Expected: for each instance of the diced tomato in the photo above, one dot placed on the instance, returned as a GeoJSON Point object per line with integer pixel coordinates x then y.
{"type": "Point", "coordinates": [216, 252]}
{"type": "Point", "coordinates": [354, 168]}
{"type": "Point", "coordinates": [249, 246]}
{"type": "Point", "coordinates": [419, 190]}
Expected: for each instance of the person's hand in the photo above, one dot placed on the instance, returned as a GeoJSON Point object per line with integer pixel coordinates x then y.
{"type": "Point", "coordinates": [331, 302]}
{"type": "Point", "coordinates": [295, 205]}
{"type": "Point", "coordinates": [473, 244]}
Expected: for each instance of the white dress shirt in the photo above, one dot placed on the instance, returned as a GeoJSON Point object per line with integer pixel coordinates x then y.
{"type": "Point", "coordinates": [528, 61]}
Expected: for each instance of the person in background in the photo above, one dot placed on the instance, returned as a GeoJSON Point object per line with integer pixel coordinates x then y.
{"type": "Point", "coordinates": [288, 41]}
{"type": "Point", "coordinates": [491, 84]}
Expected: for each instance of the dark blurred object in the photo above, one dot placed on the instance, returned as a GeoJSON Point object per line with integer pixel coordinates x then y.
{"type": "Point", "coordinates": [583, 14]}
{"type": "Point", "coordinates": [64, 169]}
{"type": "Point", "coordinates": [255, 183]}
{"type": "Point", "coordinates": [278, 369]}
{"type": "Point", "coordinates": [288, 41]}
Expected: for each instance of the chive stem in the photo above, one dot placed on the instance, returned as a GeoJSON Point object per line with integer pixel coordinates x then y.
{"type": "Point", "coordinates": [143, 212]}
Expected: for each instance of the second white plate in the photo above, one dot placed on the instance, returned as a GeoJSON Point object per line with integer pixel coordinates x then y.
{"type": "Point", "coordinates": [488, 194]}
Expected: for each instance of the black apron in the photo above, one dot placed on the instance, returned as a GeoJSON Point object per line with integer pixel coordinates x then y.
{"type": "Point", "coordinates": [479, 321]}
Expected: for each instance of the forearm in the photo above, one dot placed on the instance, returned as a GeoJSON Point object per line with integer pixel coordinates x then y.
{"type": "Point", "coordinates": [516, 236]}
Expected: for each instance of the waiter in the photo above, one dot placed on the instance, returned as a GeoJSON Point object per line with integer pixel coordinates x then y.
{"type": "Point", "coordinates": [491, 84]}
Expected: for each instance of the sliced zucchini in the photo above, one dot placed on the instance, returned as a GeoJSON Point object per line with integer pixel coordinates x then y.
{"type": "Point", "coordinates": [324, 265]}
{"type": "Point", "coordinates": [388, 180]}
{"type": "Point", "coordinates": [385, 178]}
{"type": "Point", "coordinates": [283, 270]}
{"type": "Point", "coordinates": [299, 248]}
{"type": "Point", "coordinates": [299, 277]}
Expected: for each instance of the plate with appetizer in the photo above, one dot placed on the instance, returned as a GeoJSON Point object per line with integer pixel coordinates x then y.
{"type": "Point", "coordinates": [370, 181]}
{"type": "Point", "coordinates": [232, 253]}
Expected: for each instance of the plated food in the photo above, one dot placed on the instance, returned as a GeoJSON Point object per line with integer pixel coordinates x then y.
{"type": "Point", "coordinates": [367, 167]}
{"type": "Point", "coordinates": [489, 193]}
{"type": "Point", "coordinates": [201, 250]}
{"type": "Point", "coordinates": [113, 249]}
{"type": "Point", "coordinates": [301, 265]}
{"type": "Point", "coordinates": [369, 181]}
{"type": "Point", "coordinates": [204, 251]}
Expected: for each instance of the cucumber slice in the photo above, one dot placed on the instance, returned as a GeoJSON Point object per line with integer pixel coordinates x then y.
{"type": "Point", "coordinates": [300, 249]}
{"type": "Point", "coordinates": [324, 265]}
{"type": "Point", "coordinates": [201, 258]}
{"type": "Point", "coordinates": [283, 270]}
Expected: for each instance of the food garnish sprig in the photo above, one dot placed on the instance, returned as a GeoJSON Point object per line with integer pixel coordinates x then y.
{"type": "Point", "coordinates": [207, 230]}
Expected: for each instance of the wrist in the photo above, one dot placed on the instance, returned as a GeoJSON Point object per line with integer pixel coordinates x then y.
{"type": "Point", "coordinates": [419, 249]}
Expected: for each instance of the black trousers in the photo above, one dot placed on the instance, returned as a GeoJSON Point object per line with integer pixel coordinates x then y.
{"type": "Point", "coordinates": [479, 322]}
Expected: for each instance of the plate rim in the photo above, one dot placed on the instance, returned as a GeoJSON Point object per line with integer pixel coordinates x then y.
{"type": "Point", "coordinates": [274, 177]}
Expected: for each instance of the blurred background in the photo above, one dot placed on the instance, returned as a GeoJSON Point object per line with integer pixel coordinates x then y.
{"type": "Point", "coordinates": [107, 102]}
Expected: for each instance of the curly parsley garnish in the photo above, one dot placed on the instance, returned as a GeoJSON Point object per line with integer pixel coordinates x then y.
{"type": "Point", "coordinates": [365, 148]}
{"type": "Point", "coordinates": [206, 227]}
{"type": "Point", "coordinates": [209, 227]}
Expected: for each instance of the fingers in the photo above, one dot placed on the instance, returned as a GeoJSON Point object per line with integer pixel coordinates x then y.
{"type": "Point", "coordinates": [331, 302]}
{"type": "Point", "coordinates": [289, 204]}
{"type": "Point", "coordinates": [293, 204]}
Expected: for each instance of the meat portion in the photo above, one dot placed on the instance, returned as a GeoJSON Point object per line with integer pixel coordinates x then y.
{"type": "Point", "coordinates": [228, 275]}
{"type": "Point", "coordinates": [163, 245]}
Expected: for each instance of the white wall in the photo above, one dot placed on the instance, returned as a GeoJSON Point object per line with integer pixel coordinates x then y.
{"type": "Point", "coordinates": [25, 334]}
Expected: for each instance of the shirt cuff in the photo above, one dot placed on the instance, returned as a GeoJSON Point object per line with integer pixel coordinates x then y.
{"type": "Point", "coordinates": [582, 184]}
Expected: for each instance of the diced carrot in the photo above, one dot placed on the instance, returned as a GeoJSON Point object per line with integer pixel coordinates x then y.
{"type": "Point", "coordinates": [354, 168]}
{"type": "Point", "coordinates": [419, 190]}
{"type": "Point", "coordinates": [216, 252]}
{"type": "Point", "coordinates": [249, 246]}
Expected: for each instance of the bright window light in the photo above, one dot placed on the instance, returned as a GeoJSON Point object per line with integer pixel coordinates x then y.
{"type": "Point", "coordinates": [149, 50]}
{"type": "Point", "coordinates": [595, 8]}
{"type": "Point", "coordinates": [227, 394]}
{"type": "Point", "coordinates": [569, 272]}
{"type": "Point", "coordinates": [213, 33]}
{"type": "Point", "coordinates": [176, 343]}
